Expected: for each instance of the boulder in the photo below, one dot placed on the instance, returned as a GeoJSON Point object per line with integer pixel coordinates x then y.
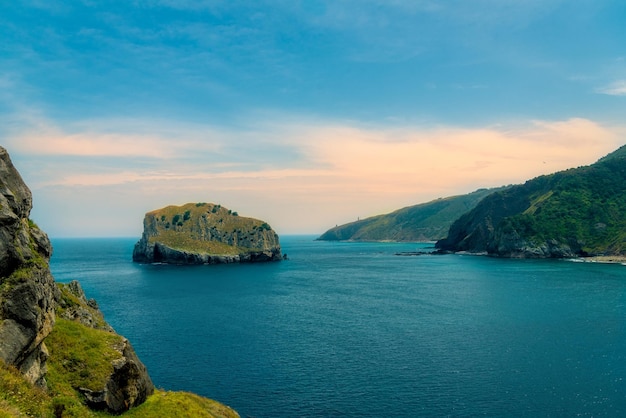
{"type": "Point", "coordinates": [128, 386]}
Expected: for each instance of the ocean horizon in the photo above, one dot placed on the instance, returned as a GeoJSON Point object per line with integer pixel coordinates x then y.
{"type": "Point", "coordinates": [353, 329]}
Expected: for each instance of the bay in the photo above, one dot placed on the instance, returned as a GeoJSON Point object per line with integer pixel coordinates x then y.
{"type": "Point", "coordinates": [351, 329]}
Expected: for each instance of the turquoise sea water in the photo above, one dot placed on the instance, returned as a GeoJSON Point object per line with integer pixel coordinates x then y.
{"type": "Point", "coordinates": [350, 329]}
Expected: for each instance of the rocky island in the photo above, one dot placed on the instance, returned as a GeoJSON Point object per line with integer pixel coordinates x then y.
{"type": "Point", "coordinates": [58, 356]}
{"type": "Point", "coordinates": [205, 233]}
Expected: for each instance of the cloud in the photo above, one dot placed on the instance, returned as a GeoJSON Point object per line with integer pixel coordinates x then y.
{"type": "Point", "coordinates": [617, 88]}
{"type": "Point", "coordinates": [35, 135]}
{"type": "Point", "coordinates": [410, 161]}
{"type": "Point", "coordinates": [386, 160]}
{"type": "Point", "coordinates": [331, 173]}
{"type": "Point", "coordinates": [96, 146]}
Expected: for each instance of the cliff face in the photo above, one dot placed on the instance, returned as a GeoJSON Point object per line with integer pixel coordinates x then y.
{"type": "Point", "coordinates": [204, 233]}
{"type": "Point", "coordinates": [27, 289]}
{"type": "Point", "coordinates": [29, 298]}
{"type": "Point", "coordinates": [424, 222]}
{"type": "Point", "coordinates": [576, 212]}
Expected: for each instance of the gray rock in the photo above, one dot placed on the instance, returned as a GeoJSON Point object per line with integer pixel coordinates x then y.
{"type": "Point", "coordinates": [85, 311]}
{"type": "Point", "coordinates": [128, 386]}
{"type": "Point", "coordinates": [27, 296]}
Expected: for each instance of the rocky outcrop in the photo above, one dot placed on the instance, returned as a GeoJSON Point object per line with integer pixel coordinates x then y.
{"type": "Point", "coordinates": [29, 299]}
{"type": "Point", "coordinates": [160, 253]}
{"type": "Point", "coordinates": [74, 306]}
{"type": "Point", "coordinates": [205, 233]}
{"type": "Point", "coordinates": [27, 289]}
{"type": "Point", "coordinates": [474, 231]}
{"type": "Point", "coordinates": [128, 384]}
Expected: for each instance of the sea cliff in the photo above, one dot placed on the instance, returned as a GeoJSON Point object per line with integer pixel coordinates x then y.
{"type": "Point", "coordinates": [58, 355]}
{"type": "Point", "coordinates": [27, 289]}
{"type": "Point", "coordinates": [204, 233]}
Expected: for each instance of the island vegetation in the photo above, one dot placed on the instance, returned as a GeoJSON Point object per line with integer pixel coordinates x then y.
{"type": "Point", "coordinates": [205, 233]}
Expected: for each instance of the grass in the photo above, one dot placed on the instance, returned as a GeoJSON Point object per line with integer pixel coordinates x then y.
{"type": "Point", "coordinates": [80, 356]}
{"type": "Point", "coordinates": [424, 222]}
{"type": "Point", "coordinates": [178, 227]}
{"type": "Point", "coordinates": [182, 241]}
{"type": "Point", "coordinates": [20, 398]}
{"type": "Point", "coordinates": [180, 404]}
{"type": "Point", "coordinates": [536, 202]}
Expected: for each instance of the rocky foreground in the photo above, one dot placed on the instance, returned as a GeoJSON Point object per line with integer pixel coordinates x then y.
{"type": "Point", "coordinates": [58, 356]}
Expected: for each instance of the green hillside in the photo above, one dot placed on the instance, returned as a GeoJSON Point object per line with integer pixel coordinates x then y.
{"type": "Point", "coordinates": [424, 222]}
{"type": "Point", "coordinates": [579, 211]}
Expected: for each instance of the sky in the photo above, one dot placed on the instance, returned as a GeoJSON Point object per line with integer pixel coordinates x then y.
{"type": "Point", "coordinates": [303, 113]}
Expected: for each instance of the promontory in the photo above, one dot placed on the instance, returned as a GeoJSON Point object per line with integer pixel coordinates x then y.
{"type": "Point", "coordinates": [580, 212]}
{"type": "Point", "coordinates": [205, 233]}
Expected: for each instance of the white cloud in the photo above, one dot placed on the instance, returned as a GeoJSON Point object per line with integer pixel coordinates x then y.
{"type": "Point", "coordinates": [617, 88]}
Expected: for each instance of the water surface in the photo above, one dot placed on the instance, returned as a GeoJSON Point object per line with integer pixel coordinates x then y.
{"type": "Point", "coordinates": [350, 329]}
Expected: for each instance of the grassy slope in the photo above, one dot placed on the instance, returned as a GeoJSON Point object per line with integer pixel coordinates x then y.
{"type": "Point", "coordinates": [425, 222]}
{"type": "Point", "coordinates": [18, 398]}
{"type": "Point", "coordinates": [80, 356]}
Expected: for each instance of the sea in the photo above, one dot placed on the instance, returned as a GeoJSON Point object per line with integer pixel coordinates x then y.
{"type": "Point", "coordinates": [346, 329]}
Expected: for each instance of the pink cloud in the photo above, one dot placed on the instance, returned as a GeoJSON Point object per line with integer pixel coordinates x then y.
{"type": "Point", "coordinates": [348, 171]}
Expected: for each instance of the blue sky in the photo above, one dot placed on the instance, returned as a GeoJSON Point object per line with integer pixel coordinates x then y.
{"type": "Point", "coordinates": [306, 114]}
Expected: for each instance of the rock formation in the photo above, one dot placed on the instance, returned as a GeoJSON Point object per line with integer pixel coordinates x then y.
{"type": "Point", "coordinates": [27, 289]}
{"type": "Point", "coordinates": [128, 383]}
{"type": "Point", "coordinates": [29, 298]}
{"type": "Point", "coordinates": [204, 233]}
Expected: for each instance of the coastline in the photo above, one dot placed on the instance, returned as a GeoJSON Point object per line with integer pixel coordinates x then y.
{"type": "Point", "coordinates": [606, 259]}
